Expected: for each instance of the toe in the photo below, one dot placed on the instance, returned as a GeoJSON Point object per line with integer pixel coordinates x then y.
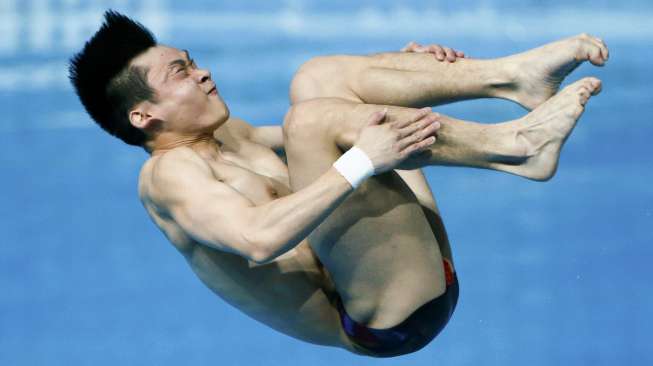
{"type": "Point", "coordinates": [601, 44]}
{"type": "Point", "coordinates": [596, 86]}
{"type": "Point", "coordinates": [584, 96]}
{"type": "Point", "coordinates": [587, 87]}
{"type": "Point", "coordinates": [594, 55]}
{"type": "Point", "coordinates": [603, 49]}
{"type": "Point", "coordinates": [606, 51]}
{"type": "Point", "coordinates": [582, 84]}
{"type": "Point", "coordinates": [583, 92]}
{"type": "Point", "coordinates": [450, 54]}
{"type": "Point", "coordinates": [592, 84]}
{"type": "Point", "coordinates": [592, 49]}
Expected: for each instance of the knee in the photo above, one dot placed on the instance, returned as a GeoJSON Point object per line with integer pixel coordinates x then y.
{"type": "Point", "coordinates": [305, 84]}
{"type": "Point", "coordinates": [317, 78]}
{"type": "Point", "coordinates": [309, 119]}
{"type": "Point", "coordinates": [301, 120]}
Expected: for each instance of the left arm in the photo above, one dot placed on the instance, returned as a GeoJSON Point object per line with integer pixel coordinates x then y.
{"type": "Point", "coordinates": [270, 136]}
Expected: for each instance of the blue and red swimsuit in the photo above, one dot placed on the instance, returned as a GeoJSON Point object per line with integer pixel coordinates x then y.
{"type": "Point", "coordinates": [418, 330]}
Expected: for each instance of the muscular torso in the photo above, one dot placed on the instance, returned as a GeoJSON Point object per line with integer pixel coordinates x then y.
{"type": "Point", "coordinates": [291, 292]}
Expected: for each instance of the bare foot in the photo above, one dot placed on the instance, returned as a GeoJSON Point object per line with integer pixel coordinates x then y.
{"type": "Point", "coordinates": [541, 133]}
{"type": "Point", "coordinates": [539, 72]}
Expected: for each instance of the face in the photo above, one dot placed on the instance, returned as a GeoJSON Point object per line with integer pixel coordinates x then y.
{"type": "Point", "coordinates": [187, 100]}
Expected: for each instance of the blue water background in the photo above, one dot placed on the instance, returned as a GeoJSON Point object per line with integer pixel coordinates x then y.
{"type": "Point", "coordinates": [551, 273]}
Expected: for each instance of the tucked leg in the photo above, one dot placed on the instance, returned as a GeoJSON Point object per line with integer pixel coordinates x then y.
{"type": "Point", "coordinates": [528, 147]}
{"type": "Point", "coordinates": [414, 80]}
{"type": "Point", "coordinates": [418, 184]}
{"type": "Point", "coordinates": [371, 240]}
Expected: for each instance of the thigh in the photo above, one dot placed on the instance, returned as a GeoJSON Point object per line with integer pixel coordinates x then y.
{"type": "Point", "coordinates": [323, 77]}
{"type": "Point", "coordinates": [291, 294]}
{"type": "Point", "coordinates": [418, 184]}
{"type": "Point", "coordinates": [378, 245]}
{"type": "Point", "coordinates": [340, 120]}
{"type": "Point", "coordinates": [313, 314]}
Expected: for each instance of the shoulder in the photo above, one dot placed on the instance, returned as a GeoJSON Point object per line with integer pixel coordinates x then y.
{"type": "Point", "coordinates": [160, 174]}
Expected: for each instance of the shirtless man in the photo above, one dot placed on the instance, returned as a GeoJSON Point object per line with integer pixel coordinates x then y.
{"type": "Point", "coordinates": [300, 248]}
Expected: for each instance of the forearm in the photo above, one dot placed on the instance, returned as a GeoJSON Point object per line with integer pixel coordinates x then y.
{"type": "Point", "coordinates": [270, 136]}
{"type": "Point", "coordinates": [282, 224]}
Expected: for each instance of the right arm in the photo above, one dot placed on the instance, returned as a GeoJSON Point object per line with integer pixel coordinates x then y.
{"type": "Point", "coordinates": [216, 215]}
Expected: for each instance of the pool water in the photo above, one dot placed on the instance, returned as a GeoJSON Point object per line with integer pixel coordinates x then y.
{"type": "Point", "coordinates": [550, 273]}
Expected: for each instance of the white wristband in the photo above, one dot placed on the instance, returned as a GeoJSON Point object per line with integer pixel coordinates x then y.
{"type": "Point", "coordinates": [355, 166]}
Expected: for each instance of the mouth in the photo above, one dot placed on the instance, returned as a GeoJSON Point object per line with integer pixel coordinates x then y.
{"type": "Point", "coordinates": [213, 91]}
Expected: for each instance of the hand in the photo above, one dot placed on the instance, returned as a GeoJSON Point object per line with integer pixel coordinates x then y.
{"type": "Point", "coordinates": [441, 53]}
{"type": "Point", "coordinates": [388, 144]}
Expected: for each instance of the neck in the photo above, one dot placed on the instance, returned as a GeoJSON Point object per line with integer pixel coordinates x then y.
{"type": "Point", "coordinates": [199, 143]}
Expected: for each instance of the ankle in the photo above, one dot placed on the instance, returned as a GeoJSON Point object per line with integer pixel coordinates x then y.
{"type": "Point", "coordinates": [511, 148]}
{"type": "Point", "coordinates": [503, 80]}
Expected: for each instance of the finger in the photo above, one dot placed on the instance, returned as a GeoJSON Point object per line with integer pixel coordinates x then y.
{"type": "Point", "coordinates": [421, 134]}
{"type": "Point", "coordinates": [377, 117]}
{"type": "Point", "coordinates": [451, 56]}
{"type": "Point", "coordinates": [420, 49]}
{"type": "Point", "coordinates": [460, 54]}
{"type": "Point", "coordinates": [418, 146]}
{"type": "Point", "coordinates": [416, 117]}
{"type": "Point", "coordinates": [437, 51]}
{"type": "Point", "coordinates": [423, 123]}
{"type": "Point", "coordinates": [408, 141]}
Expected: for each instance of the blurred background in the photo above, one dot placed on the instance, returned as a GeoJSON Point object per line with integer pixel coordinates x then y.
{"type": "Point", "coordinates": [550, 273]}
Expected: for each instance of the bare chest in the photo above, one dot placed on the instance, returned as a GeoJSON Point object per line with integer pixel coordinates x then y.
{"type": "Point", "coordinates": [254, 171]}
{"type": "Point", "coordinates": [275, 293]}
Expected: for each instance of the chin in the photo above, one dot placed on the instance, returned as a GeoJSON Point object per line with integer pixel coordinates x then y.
{"type": "Point", "coordinates": [220, 120]}
{"type": "Point", "coordinates": [219, 110]}
{"type": "Point", "coordinates": [225, 114]}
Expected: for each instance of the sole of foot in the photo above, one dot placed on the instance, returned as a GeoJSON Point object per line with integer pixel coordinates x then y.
{"type": "Point", "coordinates": [538, 73]}
{"type": "Point", "coordinates": [542, 133]}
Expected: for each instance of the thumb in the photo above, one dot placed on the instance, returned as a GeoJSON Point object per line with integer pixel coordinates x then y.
{"type": "Point", "coordinates": [377, 117]}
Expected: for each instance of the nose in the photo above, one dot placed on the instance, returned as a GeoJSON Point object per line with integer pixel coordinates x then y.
{"type": "Point", "coordinates": [204, 75]}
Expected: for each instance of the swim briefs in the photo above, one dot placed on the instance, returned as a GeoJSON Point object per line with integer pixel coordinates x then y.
{"type": "Point", "coordinates": [418, 330]}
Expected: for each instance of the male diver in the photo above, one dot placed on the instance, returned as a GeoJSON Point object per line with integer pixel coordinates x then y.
{"type": "Point", "coordinates": [344, 246]}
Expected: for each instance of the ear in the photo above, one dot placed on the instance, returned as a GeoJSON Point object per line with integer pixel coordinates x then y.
{"type": "Point", "coordinates": [140, 116]}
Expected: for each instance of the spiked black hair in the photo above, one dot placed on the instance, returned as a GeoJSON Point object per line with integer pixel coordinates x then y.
{"type": "Point", "coordinates": [105, 83]}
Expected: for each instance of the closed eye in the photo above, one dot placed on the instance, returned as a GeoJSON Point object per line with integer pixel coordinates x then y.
{"type": "Point", "coordinates": [191, 64]}
{"type": "Point", "coordinates": [179, 65]}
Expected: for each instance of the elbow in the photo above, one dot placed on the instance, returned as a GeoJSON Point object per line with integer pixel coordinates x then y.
{"type": "Point", "coordinates": [260, 256]}
{"type": "Point", "coordinates": [260, 250]}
